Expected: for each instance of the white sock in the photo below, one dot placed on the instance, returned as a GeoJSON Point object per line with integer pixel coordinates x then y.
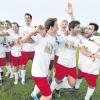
{"type": "Point", "coordinates": [78, 82]}
{"type": "Point", "coordinates": [54, 85]}
{"type": "Point", "coordinates": [64, 84]}
{"type": "Point", "coordinates": [35, 91]}
{"type": "Point", "coordinates": [23, 72]}
{"type": "Point", "coordinates": [89, 93]}
{"type": "Point", "coordinates": [16, 76]}
{"type": "Point", "coordinates": [11, 71]}
{"type": "Point", "coordinates": [1, 70]}
{"type": "Point", "coordinates": [0, 76]}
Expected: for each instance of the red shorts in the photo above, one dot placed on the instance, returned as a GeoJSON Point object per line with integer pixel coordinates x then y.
{"type": "Point", "coordinates": [43, 85]}
{"type": "Point", "coordinates": [25, 56]}
{"type": "Point", "coordinates": [2, 62]}
{"type": "Point", "coordinates": [16, 61]}
{"type": "Point", "coordinates": [90, 78]}
{"type": "Point", "coordinates": [8, 56]}
{"type": "Point", "coordinates": [62, 71]}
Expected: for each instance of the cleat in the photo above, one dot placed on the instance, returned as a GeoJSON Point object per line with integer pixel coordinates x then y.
{"type": "Point", "coordinates": [16, 82]}
{"type": "Point", "coordinates": [34, 97]}
{"type": "Point", "coordinates": [58, 93]}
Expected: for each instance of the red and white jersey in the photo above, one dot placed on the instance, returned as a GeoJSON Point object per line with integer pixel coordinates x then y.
{"type": "Point", "coordinates": [7, 39]}
{"type": "Point", "coordinates": [44, 48]}
{"type": "Point", "coordinates": [27, 47]}
{"type": "Point", "coordinates": [16, 48]}
{"type": "Point", "coordinates": [2, 48]}
{"type": "Point", "coordinates": [69, 45]}
{"type": "Point", "coordinates": [86, 64]}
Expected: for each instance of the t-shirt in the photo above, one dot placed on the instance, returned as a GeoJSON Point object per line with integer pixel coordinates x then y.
{"type": "Point", "coordinates": [7, 39]}
{"type": "Point", "coordinates": [60, 34]}
{"type": "Point", "coordinates": [16, 48]}
{"type": "Point", "coordinates": [69, 45]}
{"type": "Point", "coordinates": [86, 64]}
{"type": "Point", "coordinates": [44, 48]}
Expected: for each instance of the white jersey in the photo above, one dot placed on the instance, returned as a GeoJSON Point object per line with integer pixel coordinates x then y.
{"type": "Point", "coordinates": [69, 45]}
{"type": "Point", "coordinates": [60, 33]}
{"type": "Point", "coordinates": [7, 39]}
{"type": "Point", "coordinates": [86, 64]}
{"type": "Point", "coordinates": [16, 48]}
{"type": "Point", "coordinates": [44, 47]}
{"type": "Point", "coordinates": [2, 49]}
{"type": "Point", "coordinates": [27, 47]}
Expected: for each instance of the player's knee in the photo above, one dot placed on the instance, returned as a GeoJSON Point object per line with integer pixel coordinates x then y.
{"type": "Point", "coordinates": [71, 82]}
{"type": "Point", "coordinates": [58, 81]}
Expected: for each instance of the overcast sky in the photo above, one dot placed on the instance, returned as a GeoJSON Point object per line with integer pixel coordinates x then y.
{"type": "Point", "coordinates": [84, 10]}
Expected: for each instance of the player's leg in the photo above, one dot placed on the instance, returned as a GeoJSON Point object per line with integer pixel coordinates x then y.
{"type": "Point", "coordinates": [44, 87]}
{"type": "Point", "coordinates": [91, 80]}
{"type": "Point", "coordinates": [24, 59]}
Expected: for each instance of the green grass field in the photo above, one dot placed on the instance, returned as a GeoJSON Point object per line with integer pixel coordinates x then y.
{"type": "Point", "coordinates": [8, 91]}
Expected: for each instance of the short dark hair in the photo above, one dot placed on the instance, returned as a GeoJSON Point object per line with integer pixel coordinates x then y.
{"type": "Point", "coordinates": [7, 21]}
{"type": "Point", "coordinates": [96, 26]}
{"type": "Point", "coordinates": [27, 14]}
{"type": "Point", "coordinates": [16, 24]}
{"type": "Point", "coordinates": [49, 23]}
{"type": "Point", "coordinates": [73, 24]}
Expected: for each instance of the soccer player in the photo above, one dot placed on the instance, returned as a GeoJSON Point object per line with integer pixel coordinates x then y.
{"type": "Point", "coordinates": [64, 31]}
{"type": "Point", "coordinates": [44, 47]}
{"type": "Point", "coordinates": [15, 50]}
{"type": "Point", "coordinates": [7, 29]}
{"type": "Point", "coordinates": [27, 48]}
{"type": "Point", "coordinates": [66, 65]}
{"type": "Point", "coordinates": [89, 69]}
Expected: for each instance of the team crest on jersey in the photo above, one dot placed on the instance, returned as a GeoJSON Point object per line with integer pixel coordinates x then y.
{"type": "Point", "coordinates": [48, 48]}
{"type": "Point", "coordinates": [70, 45]}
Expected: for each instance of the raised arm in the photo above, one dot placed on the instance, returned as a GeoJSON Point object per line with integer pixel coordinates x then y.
{"type": "Point", "coordinates": [69, 10]}
{"type": "Point", "coordinates": [39, 29]}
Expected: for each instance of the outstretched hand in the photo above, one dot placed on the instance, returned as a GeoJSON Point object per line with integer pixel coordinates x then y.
{"type": "Point", "coordinates": [69, 8]}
